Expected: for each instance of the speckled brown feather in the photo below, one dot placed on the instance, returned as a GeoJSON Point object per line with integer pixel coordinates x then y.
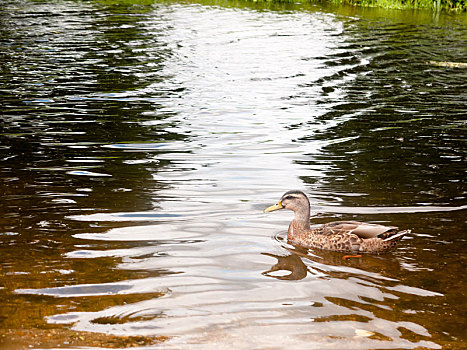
{"type": "Point", "coordinates": [339, 236]}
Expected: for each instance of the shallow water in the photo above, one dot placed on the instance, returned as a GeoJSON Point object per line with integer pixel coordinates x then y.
{"type": "Point", "coordinates": [140, 144]}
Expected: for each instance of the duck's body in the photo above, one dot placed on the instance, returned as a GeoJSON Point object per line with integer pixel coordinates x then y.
{"type": "Point", "coordinates": [344, 236]}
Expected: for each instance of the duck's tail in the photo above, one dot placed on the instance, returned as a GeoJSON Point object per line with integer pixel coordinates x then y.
{"type": "Point", "coordinates": [398, 235]}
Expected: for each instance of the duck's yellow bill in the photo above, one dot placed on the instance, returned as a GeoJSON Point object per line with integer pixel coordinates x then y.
{"type": "Point", "coordinates": [274, 207]}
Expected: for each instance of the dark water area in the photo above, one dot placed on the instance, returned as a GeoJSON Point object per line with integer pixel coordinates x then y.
{"type": "Point", "coordinates": [140, 144]}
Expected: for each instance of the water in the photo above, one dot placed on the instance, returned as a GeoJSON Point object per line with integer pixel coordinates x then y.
{"type": "Point", "coordinates": [140, 144]}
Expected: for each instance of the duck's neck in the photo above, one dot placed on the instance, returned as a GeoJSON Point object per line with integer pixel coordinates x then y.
{"type": "Point", "coordinates": [300, 224]}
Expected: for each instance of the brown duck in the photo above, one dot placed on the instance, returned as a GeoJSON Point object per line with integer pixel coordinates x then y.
{"type": "Point", "coordinates": [341, 236]}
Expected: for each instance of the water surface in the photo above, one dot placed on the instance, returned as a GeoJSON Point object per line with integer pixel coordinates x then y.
{"type": "Point", "coordinates": [140, 144]}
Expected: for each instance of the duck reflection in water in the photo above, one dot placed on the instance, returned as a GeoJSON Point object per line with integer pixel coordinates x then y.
{"type": "Point", "coordinates": [328, 264]}
{"type": "Point", "coordinates": [293, 263]}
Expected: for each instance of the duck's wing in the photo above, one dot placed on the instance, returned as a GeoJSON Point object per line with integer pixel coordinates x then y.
{"type": "Point", "coordinates": [361, 229]}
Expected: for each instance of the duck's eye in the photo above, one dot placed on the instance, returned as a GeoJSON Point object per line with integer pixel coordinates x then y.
{"type": "Point", "coordinates": [288, 198]}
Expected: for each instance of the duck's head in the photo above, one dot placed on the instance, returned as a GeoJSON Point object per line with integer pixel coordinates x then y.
{"type": "Point", "coordinates": [296, 201]}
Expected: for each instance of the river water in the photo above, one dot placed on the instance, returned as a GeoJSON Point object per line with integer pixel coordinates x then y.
{"type": "Point", "coordinates": [140, 144]}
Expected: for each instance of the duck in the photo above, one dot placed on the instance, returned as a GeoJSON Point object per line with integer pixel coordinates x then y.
{"type": "Point", "coordinates": [341, 236]}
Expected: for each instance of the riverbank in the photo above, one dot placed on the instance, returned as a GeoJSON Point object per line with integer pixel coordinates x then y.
{"type": "Point", "coordinates": [436, 5]}
{"type": "Point", "coordinates": [457, 5]}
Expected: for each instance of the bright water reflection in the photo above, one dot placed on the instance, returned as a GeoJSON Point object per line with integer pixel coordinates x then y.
{"type": "Point", "coordinates": [140, 144]}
